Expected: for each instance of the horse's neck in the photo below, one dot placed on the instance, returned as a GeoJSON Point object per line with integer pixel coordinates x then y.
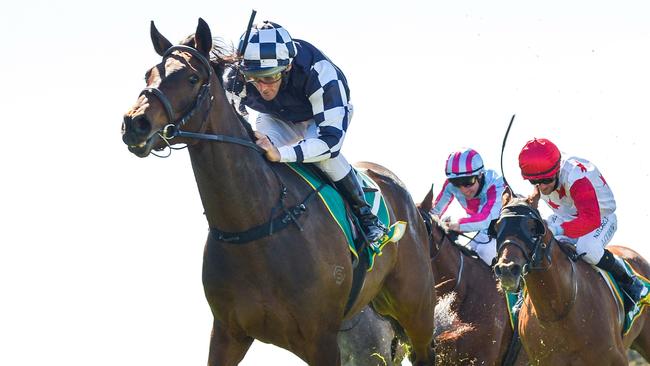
{"type": "Point", "coordinates": [446, 264]}
{"type": "Point", "coordinates": [237, 186]}
{"type": "Point", "coordinates": [552, 290]}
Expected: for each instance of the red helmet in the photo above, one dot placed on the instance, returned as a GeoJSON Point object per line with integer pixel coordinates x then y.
{"type": "Point", "coordinates": [539, 159]}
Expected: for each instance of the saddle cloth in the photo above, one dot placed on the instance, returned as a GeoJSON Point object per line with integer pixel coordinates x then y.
{"type": "Point", "coordinates": [338, 210]}
{"type": "Point", "coordinates": [626, 319]}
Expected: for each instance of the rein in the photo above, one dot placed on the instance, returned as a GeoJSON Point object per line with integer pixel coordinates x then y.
{"type": "Point", "coordinates": [445, 238]}
{"type": "Point", "coordinates": [173, 129]}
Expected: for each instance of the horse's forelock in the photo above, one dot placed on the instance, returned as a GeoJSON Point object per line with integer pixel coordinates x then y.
{"type": "Point", "coordinates": [222, 52]}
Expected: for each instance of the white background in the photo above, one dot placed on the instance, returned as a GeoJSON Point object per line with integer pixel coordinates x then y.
{"type": "Point", "coordinates": [100, 251]}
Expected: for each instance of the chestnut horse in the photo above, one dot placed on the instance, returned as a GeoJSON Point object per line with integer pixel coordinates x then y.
{"type": "Point", "coordinates": [276, 266]}
{"type": "Point", "coordinates": [478, 301]}
{"type": "Point", "coordinates": [569, 315]}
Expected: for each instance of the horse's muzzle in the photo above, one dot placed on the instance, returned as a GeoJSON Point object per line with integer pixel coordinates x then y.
{"type": "Point", "coordinates": [135, 130]}
{"type": "Point", "coordinates": [136, 134]}
{"type": "Point", "coordinates": [509, 275]}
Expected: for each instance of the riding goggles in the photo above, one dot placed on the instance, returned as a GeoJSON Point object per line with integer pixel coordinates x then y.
{"type": "Point", "coordinates": [271, 79]}
{"type": "Point", "coordinates": [463, 181]}
{"type": "Point", "coordinates": [542, 181]}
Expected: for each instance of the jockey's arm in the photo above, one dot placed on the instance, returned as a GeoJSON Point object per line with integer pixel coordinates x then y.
{"type": "Point", "coordinates": [482, 219]}
{"type": "Point", "coordinates": [329, 103]}
{"type": "Point", "coordinates": [587, 207]}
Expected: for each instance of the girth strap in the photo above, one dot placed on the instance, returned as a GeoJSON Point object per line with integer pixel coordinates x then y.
{"type": "Point", "coordinates": [274, 225]}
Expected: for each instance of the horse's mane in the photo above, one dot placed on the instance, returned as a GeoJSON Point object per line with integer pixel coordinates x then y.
{"type": "Point", "coordinates": [223, 54]}
{"type": "Point", "coordinates": [436, 219]}
{"type": "Point", "coordinates": [443, 226]}
{"type": "Point", "coordinates": [222, 57]}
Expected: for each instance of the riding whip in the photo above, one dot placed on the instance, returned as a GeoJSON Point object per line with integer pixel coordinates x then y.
{"type": "Point", "coordinates": [503, 147]}
{"type": "Point", "coordinates": [244, 44]}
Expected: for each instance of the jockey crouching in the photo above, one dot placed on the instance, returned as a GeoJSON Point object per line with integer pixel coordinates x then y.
{"type": "Point", "coordinates": [583, 208]}
{"type": "Point", "coordinates": [478, 191]}
{"type": "Point", "coordinates": [304, 110]}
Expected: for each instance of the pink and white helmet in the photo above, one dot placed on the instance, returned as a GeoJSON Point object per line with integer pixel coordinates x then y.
{"type": "Point", "coordinates": [464, 163]}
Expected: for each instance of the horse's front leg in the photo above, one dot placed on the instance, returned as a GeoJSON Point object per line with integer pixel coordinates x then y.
{"type": "Point", "coordinates": [324, 351]}
{"type": "Point", "coordinates": [226, 349]}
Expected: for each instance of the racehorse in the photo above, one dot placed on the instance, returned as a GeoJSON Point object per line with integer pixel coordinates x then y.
{"type": "Point", "coordinates": [478, 301]}
{"type": "Point", "coordinates": [276, 266]}
{"type": "Point", "coordinates": [569, 315]}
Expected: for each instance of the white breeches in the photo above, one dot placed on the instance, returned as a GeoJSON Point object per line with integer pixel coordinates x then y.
{"type": "Point", "coordinates": [592, 244]}
{"type": "Point", "coordinates": [484, 247]}
{"type": "Point", "coordinates": [287, 133]}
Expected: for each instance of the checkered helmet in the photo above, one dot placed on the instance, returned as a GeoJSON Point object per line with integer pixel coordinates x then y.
{"type": "Point", "coordinates": [463, 163]}
{"type": "Point", "coordinates": [270, 49]}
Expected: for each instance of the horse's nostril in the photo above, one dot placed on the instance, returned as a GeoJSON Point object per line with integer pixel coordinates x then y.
{"type": "Point", "coordinates": [141, 126]}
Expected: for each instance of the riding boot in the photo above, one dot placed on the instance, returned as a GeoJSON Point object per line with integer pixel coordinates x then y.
{"type": "Point", "coordinates": [628, 282]}
{"type": "Point", "coordinates": [352, 192]}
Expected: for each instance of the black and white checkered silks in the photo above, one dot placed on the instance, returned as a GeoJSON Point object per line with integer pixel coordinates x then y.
{"type": "Point", "coordinates": [331, 114]}
{"type": "Point", "coordinates": [269, 45]}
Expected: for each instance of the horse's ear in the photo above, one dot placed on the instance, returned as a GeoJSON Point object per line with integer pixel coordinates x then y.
{"type": "Point", "coordinates": [533, 199]}
{"type": "Point", "coordinates": [506, 196]}
{"type": "Point", "coordinates": [160, 43]}
{"type": "Point", "coordinates": [203, 37]}
{"type": "Point", "coordinates": [427, 202]}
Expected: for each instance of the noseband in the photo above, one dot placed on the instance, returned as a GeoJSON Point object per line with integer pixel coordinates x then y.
{"type": "Point", "coordinates": [173, 128]}
{"type": "Point", "coordinates": [535, 244]}
{"type": "Point", "coordinates": [515, 222]}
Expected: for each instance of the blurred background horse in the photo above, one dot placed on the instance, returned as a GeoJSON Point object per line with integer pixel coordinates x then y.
{"type": "Point", "coordinates": [478, 301]}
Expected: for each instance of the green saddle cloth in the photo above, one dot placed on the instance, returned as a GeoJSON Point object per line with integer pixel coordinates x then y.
{"type": "Point", "coordinates": [631, 316]}
{"type": "Point", "coordinates": [335, 204]}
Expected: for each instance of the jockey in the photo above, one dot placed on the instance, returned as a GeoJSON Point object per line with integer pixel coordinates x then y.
{"type": "Point", "coordinates": [304, 110]}
{"type": "Point", "coordinates": [583, 207]}
{"type": "Point", "coordinates": [478, 191]}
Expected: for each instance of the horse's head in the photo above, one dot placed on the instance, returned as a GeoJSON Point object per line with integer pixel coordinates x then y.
{"type": "Point", "coordinates": [177, 92]}
{"type": "Point", "coordinates": [522, 239]}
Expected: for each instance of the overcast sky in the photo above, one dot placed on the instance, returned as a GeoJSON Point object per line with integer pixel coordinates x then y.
{"type": "Point", "coordinates": [100, 251]}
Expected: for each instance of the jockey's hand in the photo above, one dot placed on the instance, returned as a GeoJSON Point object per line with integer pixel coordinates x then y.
{"type": "Point", "coordinates": [272, 153]}
{"type": "Point", "coordinates": [555, 228]}
{"type": "Point", "coordinates": [454, 226]}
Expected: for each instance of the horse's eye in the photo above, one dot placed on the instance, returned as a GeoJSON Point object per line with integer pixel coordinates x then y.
{"type": "Point", "coordinates": [194, 79]}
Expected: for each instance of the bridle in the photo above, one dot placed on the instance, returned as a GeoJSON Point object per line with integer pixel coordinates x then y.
{"type": "Point", "coordinates": [281, 216]}
{"type": "Point", "coordinates": [428, 221]}
{"type": "Point", "coordinates": [519, 217]}
{"type": "Point", "coordinates": [534, 243]}
{"type": "Point", "coordinates": [173, 128]}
